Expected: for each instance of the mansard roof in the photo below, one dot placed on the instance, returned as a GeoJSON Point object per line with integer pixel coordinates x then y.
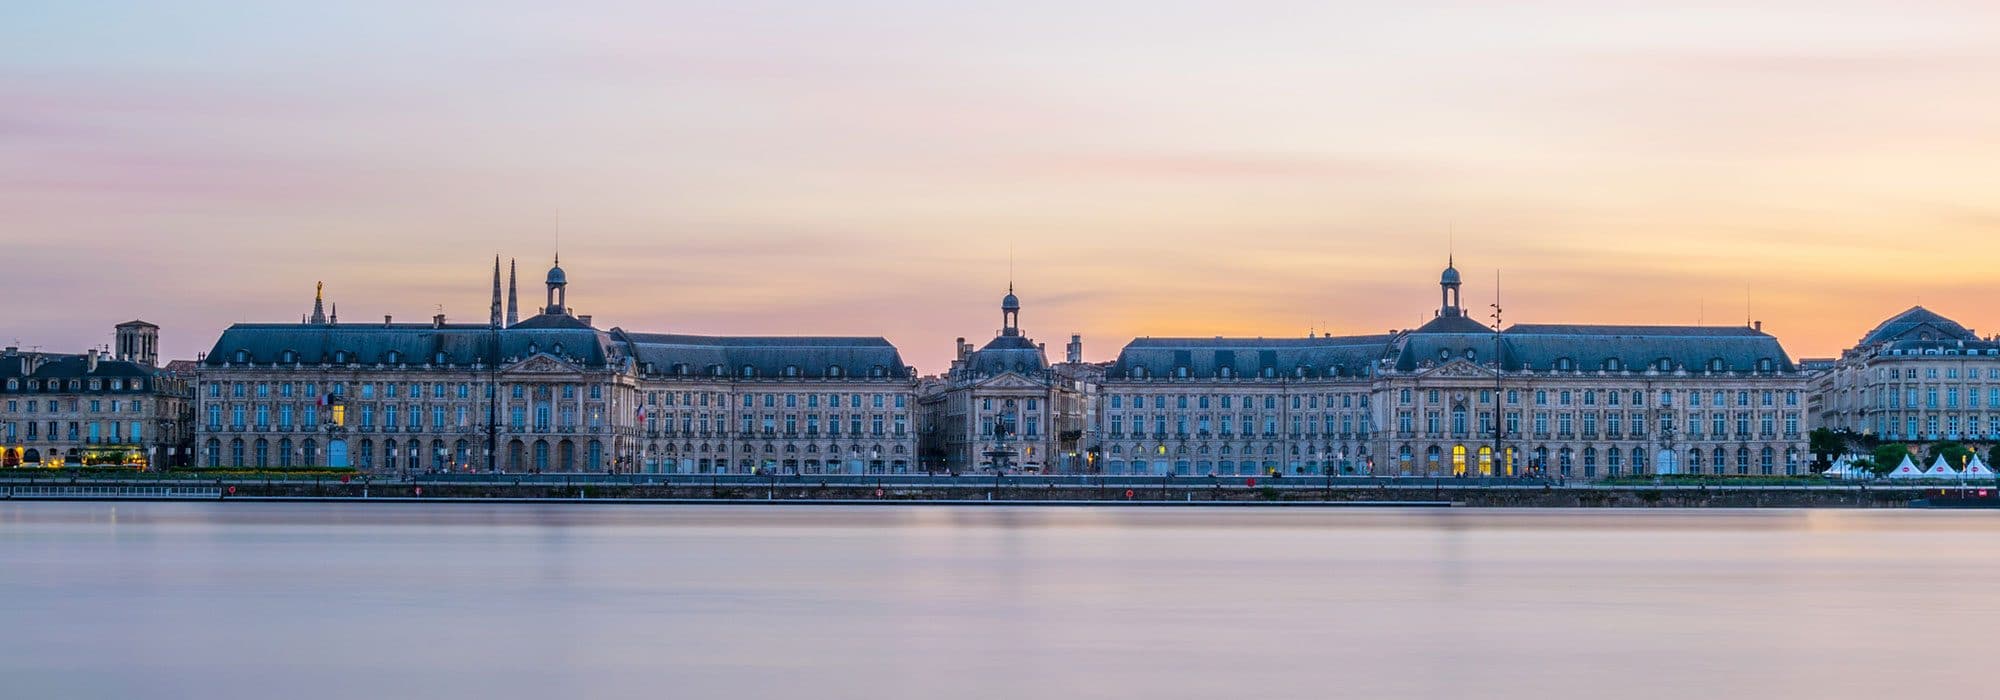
{"type": "Point", "coordinates": [813, 357]}
{"type": "Point", "coordinates": [41, 365]}
{"type": "Point", "coordinates": [1917, 323]}
{"type": "Point", "coordinates": [1008, 353]}
{"type": "Point", "coordinates": [1537, 347]}
{"type": "Point", "coordinates": [1249, 357]}
{"type": "Point", "coordinates": [462, 344]}
{"type": "Point", "coordinates": [1591, 347]}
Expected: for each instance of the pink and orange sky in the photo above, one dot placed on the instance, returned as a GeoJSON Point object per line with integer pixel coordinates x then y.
{"type": "Point", "coordinates": [864, 167]}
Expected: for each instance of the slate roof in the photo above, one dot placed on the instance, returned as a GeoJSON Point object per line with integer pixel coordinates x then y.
{"type": "Point", "coordinates": [462, 344]}
{"type": "Point", "coordinates": [1537, 347]}
{"type": "Point", "coordinates": [815, 357]}
{"type": "Point", "coordinates": [1248, 357]}
{"type": "Point", "coordinates": [1693, 348]}
{"type": "Point", "coordinates": [1915, 324]}
{"type": "Point", "coordinates": [1008, 353]}
{"type": "Point", "coordinates": [60, 366]}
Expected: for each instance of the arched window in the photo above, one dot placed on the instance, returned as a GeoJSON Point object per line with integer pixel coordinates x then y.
{"type": "Point", "coordinates": [1611, 364]}
{"type": "Point", "coordinates": [749, 371]}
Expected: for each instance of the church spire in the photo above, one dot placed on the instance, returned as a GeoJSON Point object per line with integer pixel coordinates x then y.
{"type": "Point", "coordinates": [513, 297]}
{"type": "Point", "coordinates": [495, 319]}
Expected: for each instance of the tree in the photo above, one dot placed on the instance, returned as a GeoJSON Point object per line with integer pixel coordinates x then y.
{"type": "Point", "coordinates": [1824, 443]}
{"type": "Point", "coordinates": [1887, 457]}
{"type": "Point", "coordinates": [1955, 454]}
{"type": "Point", "coordinates": [1993, 456]}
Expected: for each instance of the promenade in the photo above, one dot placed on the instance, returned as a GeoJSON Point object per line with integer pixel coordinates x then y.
{"type": "Point", "coordinates": [1007, 490]}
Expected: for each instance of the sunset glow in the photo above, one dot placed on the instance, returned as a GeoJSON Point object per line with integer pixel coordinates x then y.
{"type": "Point", "coordinates": [869, 167]}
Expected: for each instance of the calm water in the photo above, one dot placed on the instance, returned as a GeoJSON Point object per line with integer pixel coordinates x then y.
{"type": "Point", "coordinates": [475, 601]}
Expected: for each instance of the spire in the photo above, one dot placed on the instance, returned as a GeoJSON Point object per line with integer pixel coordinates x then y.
{"type": "Point", "coordinates": [495, 320]}
{"type": "Point", "coordinates": [513, 298]}
{"type": "Point", "coordinates": [319, 304]}
{"type": "Point", "coordinates": [336, 314]}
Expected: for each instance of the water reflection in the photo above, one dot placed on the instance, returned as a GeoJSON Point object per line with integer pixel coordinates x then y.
{"type": "Point", "coordinates": [475, 600]}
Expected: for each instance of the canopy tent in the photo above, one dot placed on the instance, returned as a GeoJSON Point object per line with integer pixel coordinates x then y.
{"type": "Point", "coordinates": [1907, 470]}
{"type": "Point", "coordinates": [1940, 469]}
{"type": "Point", "coordinates": [1977, 468]}
{"type": "Point", "coordinates": [1843, 468]}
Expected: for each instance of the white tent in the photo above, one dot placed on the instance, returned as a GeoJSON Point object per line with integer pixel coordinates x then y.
{"type": "Point", "coordinates": [1843, 468]}
{"type": "Point", "coordinates": [1977, 468]}
{"type": "Point", "coordinates": [1940, 470]}
{"type": "Point", "coordinates": [1907, 470]}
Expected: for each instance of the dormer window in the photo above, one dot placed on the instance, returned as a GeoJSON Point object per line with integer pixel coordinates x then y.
{"type": "Point", "coordinates": [1226, 372]}
{"type": "Point", "coordinates": [1444, 355]}
{"type": "Point", "coordinates": [1270, 373]}
{"type": "Point", "coordinates": [243, 356]}
{"type": "Point", "coordinates": [1565, 364]}
{"type": "Point", "coordinates": [833, 370]}
{"type": "Point", "coordinates": [715, 370]}
{"type": "Point", "coordinates": [340, 357]}
{"type": "Point", "coordinates": [878, 371]}
{"type": "Point", "coordinates": [288, 357]}
{"type": "Point", "coordinates": [1471, 355]}
{"type": "Point", "coordinates": [1181, 372]}
{"type": "Point", "coordinates": [1717, 365]}
{"type": "Point", "coordinates": [1137, 372]}
{"type": "Point", "coordinates": [440, 359]}
{"type": "Point", "coordinates": [395, 357]}
{"type": "Point", "coordinates": [1765, 365]}
{"type": "Point", "coordinates": [1665, 364]}
{"type": "Point", "coordinates": [791, 370]}
{"type": "Point", "coordinates": [1611, 364]}
{"type": "Point", "coordinates": [749, 371]}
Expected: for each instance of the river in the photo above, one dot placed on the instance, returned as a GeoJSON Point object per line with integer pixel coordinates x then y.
{"type": "Point", "coordinates": [301, 601]}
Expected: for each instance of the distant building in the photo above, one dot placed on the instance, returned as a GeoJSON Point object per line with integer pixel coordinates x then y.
{"type": "Point", "coordinates": [1454, 397]}
{"type": "Point", "coordinates": [94, 408]}
{"type": "Point", "coordinates": [550, 393]}
{"type": "Point", "coordinates": [1004, 407]}
{"type": "Point", "coordinates": [1917, 376]}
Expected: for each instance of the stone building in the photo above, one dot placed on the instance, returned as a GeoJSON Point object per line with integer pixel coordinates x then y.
{"type": "Point", "coordinates": [549, 393]}
{"type": "Point", "coordinates": [1917, 376]}
{"type": "Point", "coordinates": [1004, 407]}
{"type": "Point", "coordinates": [94, 408]}
{"type": "Point", "coordinates": [1454, 397]}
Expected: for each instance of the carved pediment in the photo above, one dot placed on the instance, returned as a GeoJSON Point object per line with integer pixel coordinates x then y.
{"type": "Point", "coordinates": [1010, 380]}
{"type": "Point", "coordinates": [544, 364]}
{"type": "Point", "coordinates": [1458, 369]}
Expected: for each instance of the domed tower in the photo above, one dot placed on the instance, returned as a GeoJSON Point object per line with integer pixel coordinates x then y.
{"type": "Point", "coordinates": [1449, 282]}
{"type": "Point", "coordinates": [1010, 313]}
{"type": "Point", "coordinates": [558, 290]}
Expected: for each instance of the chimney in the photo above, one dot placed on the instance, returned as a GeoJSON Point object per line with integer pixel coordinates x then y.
{"type": "Point", "coordinates": [387, 319]}
{"type": "Point", "coordinates": [1758, 325]}
{"type": "Point", "coordinates": [437, 321]}
{"type": "Point", "coordinates": [584, 319]}
{"type": "Point", "coordinates": [90, 361]}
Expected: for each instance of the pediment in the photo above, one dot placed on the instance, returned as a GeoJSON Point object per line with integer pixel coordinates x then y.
{"type": "Point", "coordinates": [1010, 380]}
{"type": "Point", "coordinates": [1458, 369]}
{"type": "Point", "coordinates": [543, 363]}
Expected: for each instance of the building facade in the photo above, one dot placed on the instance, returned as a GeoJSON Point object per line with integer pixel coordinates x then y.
{"type": "Point", "coordinates": [1917, 376]}
{"type": "Point", "coordinates": [1004, 407]}
{"type": "Point", "coordinates": [549, 393]}
{"type": "Point", "coordinates": [1454, 397]}
{"type": "Point", "coordinates": [95, 408]}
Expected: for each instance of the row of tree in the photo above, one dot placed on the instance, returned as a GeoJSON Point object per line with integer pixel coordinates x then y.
{"type": "Point", "coordinates": [1882, 457]}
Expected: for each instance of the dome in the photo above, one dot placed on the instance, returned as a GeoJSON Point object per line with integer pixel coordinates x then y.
{"type": "Point", "coordinates": [1450, 275]}
{"type": "Point", "coordinates": [1010, 303]}
{"type": "Point", "coordinates": [556, 275]}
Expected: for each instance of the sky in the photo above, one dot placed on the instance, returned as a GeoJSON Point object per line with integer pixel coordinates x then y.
{"type": "Point", "coordinates": [871, 167]}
